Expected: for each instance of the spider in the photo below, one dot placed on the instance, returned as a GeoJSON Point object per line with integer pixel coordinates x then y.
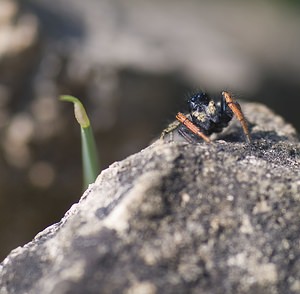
{"type": "Point", "coordinates": [208, 117]}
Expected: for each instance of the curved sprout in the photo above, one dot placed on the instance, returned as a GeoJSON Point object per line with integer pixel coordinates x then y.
{"type": "Point", "coordinates": [90, 159]}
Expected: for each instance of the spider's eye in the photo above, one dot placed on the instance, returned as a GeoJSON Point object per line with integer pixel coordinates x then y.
{"type": "Point", "coordinates": [198, 100]}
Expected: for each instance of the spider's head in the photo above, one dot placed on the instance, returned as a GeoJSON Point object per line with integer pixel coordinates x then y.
{"type": "Point", "coordinates": [198, 100]}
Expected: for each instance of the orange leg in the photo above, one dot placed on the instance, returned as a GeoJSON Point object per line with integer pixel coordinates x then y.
{"type": "Point", "coordinates": [185, 121]}
{"type": "Point", "coordinates": [236, 109]}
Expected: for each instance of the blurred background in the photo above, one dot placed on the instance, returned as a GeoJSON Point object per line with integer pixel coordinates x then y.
{"type": "Point", "coordinates": [132, 63]}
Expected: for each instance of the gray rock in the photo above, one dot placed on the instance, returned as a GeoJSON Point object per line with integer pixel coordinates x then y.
{"type": "Point", "coordinates": [178, 218]}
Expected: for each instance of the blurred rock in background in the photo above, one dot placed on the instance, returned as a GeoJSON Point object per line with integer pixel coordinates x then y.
{"type": "Point", "coordinates": [132, 64]}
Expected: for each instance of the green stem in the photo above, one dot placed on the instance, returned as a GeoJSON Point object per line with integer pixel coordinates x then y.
{"type": "Point", "coordinates": [90, 159]}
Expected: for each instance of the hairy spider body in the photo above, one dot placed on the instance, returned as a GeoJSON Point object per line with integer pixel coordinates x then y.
{"type": "Point", "coordinates": [208, 117]}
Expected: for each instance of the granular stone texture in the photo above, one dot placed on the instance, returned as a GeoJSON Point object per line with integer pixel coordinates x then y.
{"type": "Point", "coordinates": [179, 218]}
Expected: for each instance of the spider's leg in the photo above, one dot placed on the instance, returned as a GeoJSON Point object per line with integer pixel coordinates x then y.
{"type": "Point", "coordinates": [186, 136]}
{"type": "Point", "coordinates": [185, 121]}
{"type": "Point", "coordinates": [236, 109]}
{"type": "Point", "coordinates": [170, 129]}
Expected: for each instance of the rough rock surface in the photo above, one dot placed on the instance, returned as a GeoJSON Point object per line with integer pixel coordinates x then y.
{"type": "Point", "coordinates": [178, 218]}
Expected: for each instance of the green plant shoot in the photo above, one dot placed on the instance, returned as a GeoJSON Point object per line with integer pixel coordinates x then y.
{"type": "Point", "coordinates": [90, 159]}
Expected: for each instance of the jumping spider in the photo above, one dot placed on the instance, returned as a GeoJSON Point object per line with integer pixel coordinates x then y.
{"type": "Point", "coordinates": [208, 117]}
